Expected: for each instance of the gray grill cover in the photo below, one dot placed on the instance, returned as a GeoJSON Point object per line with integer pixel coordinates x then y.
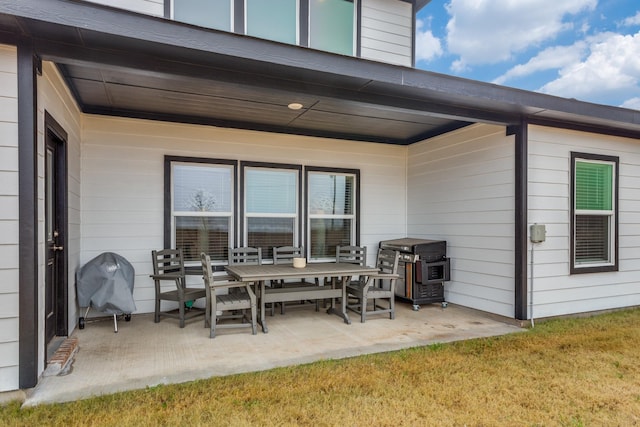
{"type": "Point", "coordinates": [106, 283]}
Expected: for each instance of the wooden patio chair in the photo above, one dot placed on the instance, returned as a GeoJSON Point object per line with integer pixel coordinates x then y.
{"type": "Point", "coordinates": [351, 255]}
{"type": "Point", "coordinates": [243, 255]}
{"type": "Point", "coordinates": [285, 255]}
{"type": "Point", "coordinates": [236, 303]}
{"type": "Point", "coordinates": [168, 265]}
{"type": "Point", "coordinates": [376, 287]}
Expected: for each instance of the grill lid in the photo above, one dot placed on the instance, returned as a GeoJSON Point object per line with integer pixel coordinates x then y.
{"type": "Point", "coordinates": [406, 244]}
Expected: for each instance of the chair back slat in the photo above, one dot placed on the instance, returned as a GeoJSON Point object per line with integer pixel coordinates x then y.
{"type": "Point", "coordinates": [168, 261]}
{"type": "Point", "coordinates": [286, 254]}
{"type": "Point", "coordinates": [352, 254]}
{"type": "Point", "coordinates": [387, 261]}
{"type": "Point", "coordinates": [245, 255]}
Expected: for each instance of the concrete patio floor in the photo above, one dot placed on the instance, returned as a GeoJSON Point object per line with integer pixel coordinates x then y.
{"type": "Point", "coordinates": [144, 353]}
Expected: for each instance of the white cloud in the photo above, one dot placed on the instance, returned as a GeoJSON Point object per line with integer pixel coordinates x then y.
{"type": "Point", "coordinates": [491, 31]}
{"type": "Point", "coordinates": [610, 69]}
{"type": "Point", "coordinates": [632, 20]}
{"type": "Point", "coordinates": [633, 103]}
{"type": "Point", "coordinates": [428, 46]}
{"type": "Point", "coordinates": [552, 58]}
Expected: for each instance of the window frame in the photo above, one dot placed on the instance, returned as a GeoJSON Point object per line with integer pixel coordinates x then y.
{"type": "Point", "coordinates": [169, 223]}
{"type": "Point", "coordinates": [612, 265]}
{"type": "Point", "coordinates": [242, 225]}
{"type": "Point", "coordinates": [356, 207]}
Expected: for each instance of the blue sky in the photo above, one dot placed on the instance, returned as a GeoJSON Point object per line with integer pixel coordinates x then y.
{"type": "Point", "coordinates": [583, 49]}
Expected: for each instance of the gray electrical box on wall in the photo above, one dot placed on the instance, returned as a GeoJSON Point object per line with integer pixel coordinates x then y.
{"type": "Point", "coordinates": [538, 233]}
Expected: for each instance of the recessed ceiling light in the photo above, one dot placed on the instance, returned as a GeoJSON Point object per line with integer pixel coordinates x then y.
{"type": "Point", "coordinates": [295, 106]}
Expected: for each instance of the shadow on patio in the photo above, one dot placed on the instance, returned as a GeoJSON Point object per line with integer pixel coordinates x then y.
{"type": "Point", "coordinates": [144, 353]}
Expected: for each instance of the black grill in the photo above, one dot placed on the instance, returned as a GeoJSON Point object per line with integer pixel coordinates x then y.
{"type": "Point", "coordinates": [424, 267]}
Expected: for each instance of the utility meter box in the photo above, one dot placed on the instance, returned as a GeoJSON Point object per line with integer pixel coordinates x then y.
{"type": "Point", "coordinates": [538, 233]}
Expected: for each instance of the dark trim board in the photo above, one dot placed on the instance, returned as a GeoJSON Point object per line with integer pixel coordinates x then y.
{"type": "Point", "coordinates": [28, 66]}
{"type": "Point", "coordinates": [587, 128]}
{"type": "Point", "coordinates": [521, 218]}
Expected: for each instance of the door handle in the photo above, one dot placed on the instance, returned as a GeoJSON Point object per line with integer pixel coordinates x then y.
{"type": "Point", "coordinates": [57, 248]}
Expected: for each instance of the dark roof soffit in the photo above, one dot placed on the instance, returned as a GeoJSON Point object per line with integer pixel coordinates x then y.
{"type": "Point", "coordinates": [421, 3]}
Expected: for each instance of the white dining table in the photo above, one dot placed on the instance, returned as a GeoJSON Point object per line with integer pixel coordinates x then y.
{"type": "Point", "coordinates": [261, 275]}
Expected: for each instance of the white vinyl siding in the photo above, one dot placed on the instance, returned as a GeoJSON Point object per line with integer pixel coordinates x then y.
{"type": "Point", "coordinates": [123, 175]}
{"type": "Point", "coordinates": [462, 190]}
{"type": "Point", "coordinates": [8, 219]}
{"type": "Point", "coordinates": [148, 7]}
{"type": "Point", "coordinates": [556, 292]}
{"type": "Point", "coordinates": [387, 31]}
{"type": "Point", "coordinates": [54, 97]}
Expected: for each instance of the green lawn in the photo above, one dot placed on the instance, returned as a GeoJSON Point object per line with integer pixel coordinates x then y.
{"type": "Point", "coordinates": [569, 372]}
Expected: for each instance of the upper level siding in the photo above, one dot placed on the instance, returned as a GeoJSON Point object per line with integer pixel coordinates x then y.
{"type": "Point", "coordinates": [387, 31]}
{"type": "Point", "coordinates": [148, 7]}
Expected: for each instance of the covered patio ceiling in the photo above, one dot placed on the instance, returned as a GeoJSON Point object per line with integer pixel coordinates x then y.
{"type": "Point", "coordinates": [127, 64]}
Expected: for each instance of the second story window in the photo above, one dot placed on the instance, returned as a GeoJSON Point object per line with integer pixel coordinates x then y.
{"type": "Point", "coordinates": [272, 19]}
{"type": "Point", "coordinates": [331, 25]}
{"type": "Point", "coordinates": [328, 25]}
{"type": "Point", "coordinates": [215, 14]}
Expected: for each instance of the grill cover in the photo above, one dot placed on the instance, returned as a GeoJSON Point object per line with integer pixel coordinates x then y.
{"type": "Point", "coordinates": [106, 284]}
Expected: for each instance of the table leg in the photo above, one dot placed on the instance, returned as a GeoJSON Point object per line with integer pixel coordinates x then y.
{"type": "Point", "coordinates": [262, 321]}
{"type": "Point", "coordinates": [343, 312]}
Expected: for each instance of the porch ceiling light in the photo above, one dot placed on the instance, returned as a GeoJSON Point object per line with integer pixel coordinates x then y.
{"type": "Point", "coordinates": [295, 106]}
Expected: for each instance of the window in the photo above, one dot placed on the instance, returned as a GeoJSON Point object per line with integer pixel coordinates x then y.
{"type": "Point", "coordinates": [594, 213]}
{"type": "Point", "coordinates": [331, 24]}
{"type": "Point", "coordinates": [201, 207]}
{"type": "Point", "coordinates": [328, 25]}
{"type": "Point", "coordinates": [271, 206]}
{"type": "Point", "coordinates": [273, 20]}
{"type": "Point", "coordinates": [332, 211]}
{"type": "Point", "coordinates": [215, 14]}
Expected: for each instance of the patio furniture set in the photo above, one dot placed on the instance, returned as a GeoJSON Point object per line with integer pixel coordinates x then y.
{"type": "Point", "coordinates": [241, 296]}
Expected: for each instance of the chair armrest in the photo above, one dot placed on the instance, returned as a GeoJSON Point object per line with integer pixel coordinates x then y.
{"type": "Point", "coordinates": [165, 276]}
{"type": "Point", "coordinates": [371, 279]}
{"type": "Point", "coordinates": [231, 284]}
{"type": "Point", "coordinates": [384, 276]}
